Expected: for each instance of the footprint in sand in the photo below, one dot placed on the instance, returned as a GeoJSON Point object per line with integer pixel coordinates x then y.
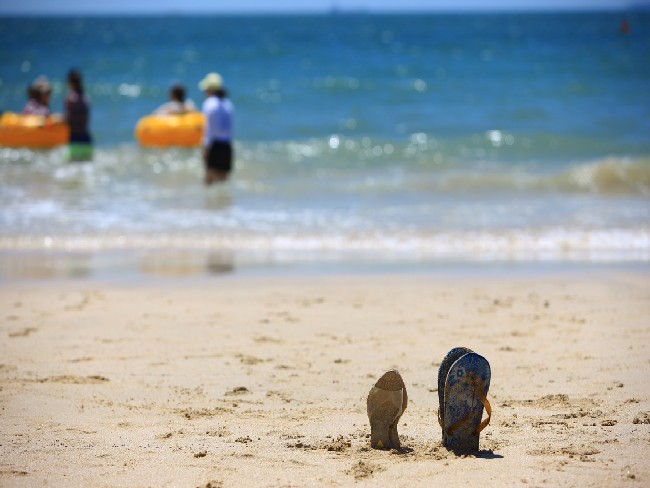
{"type": "Point", "coordinates": [23, 332]}
{"type": "Point", "coordinates": [239, 390]}
{"type": "Point", "coordinates": [363, 470]}
{"type": "Point", "coordinates": [77, 380]}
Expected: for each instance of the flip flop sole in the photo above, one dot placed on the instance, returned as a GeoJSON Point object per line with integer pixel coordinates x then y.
{"type": "Point", "coordinates": [451, 357]}
{"type": "Point", "coordinates": [386, 403]}
{"type": "Point", "coordinates": [466, 387]}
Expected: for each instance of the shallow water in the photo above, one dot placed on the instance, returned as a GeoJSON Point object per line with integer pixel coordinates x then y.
{"type": "Point", "coordinates": [383, 137]}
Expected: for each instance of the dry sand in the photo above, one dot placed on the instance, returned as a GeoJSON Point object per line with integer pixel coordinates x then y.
{"type": "Point", "coordinates": [263, 381]}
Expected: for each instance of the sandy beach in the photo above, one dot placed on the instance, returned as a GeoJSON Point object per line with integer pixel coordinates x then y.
{"type": "Point", "coordinates": [262, 381]}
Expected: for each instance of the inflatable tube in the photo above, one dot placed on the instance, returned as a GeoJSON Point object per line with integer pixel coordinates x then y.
{"type": "Point", "coordinates": [37, 131]}
{"type": "Point", "coordinates": [170, 130]}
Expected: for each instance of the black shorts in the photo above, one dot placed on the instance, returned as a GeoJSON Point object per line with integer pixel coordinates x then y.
{"type": "Point", "coordinates": [80, 138]}
{"type": "Point", "coordinates": [220, 156]}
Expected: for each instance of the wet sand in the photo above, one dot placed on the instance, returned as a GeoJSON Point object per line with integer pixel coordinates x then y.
{"type": "Point", "coordinates": [262, 381]}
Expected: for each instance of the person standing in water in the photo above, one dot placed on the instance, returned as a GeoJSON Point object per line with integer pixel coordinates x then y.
{"type": "Point", "coordinates": [76, 114]}
{"type": "Point", "coordinates": [217, 135]}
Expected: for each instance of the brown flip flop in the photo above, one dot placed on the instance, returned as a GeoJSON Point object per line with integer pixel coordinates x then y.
{"type": "Point", "coordinates": [386, 403]}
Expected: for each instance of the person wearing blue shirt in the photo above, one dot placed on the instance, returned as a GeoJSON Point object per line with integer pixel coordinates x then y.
{"type": "Point", "coordinates": [217, 135]}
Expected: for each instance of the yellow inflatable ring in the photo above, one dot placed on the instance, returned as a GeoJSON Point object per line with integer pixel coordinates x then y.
{"type": "Point", "coordinates": [38, 131]}
{"type": "Point", "coordinates": [170, 130]}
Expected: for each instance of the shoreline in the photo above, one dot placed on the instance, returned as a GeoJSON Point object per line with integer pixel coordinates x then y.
{"type": "Point", "coordinates": [147, 266]}
{"type": "Point", "coordinates": [262, 380]}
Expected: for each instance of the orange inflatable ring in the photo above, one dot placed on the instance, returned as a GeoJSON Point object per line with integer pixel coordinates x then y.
{"type": "Point", "coordinates": [37, 131]}
{"type": "Point", "coordinates": [170, 130]}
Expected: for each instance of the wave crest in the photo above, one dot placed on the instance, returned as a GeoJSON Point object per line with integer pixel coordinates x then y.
{"type": "Point", "coordinates": [611, 176]}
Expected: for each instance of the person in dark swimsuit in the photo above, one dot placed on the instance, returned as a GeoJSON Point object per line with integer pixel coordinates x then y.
{"type": "Point", "coordinates": [77, 116]}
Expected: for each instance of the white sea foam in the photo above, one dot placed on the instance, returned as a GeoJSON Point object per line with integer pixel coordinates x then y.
{"type": "Point", "coordinates": [617, 245]}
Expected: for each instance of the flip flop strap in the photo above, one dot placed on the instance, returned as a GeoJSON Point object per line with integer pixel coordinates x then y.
{"type": "Point", "coordinates": [478, 389]}
{"type": "Point", "coordinates": [488, 409]}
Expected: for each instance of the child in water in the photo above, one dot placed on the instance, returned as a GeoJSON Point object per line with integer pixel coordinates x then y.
{"type": "Point", "coordinates": [177, 104]}
{"type": "Point", "coordinates": [39, 97]}
{"type": "Point", "coordinates": [217, 135]}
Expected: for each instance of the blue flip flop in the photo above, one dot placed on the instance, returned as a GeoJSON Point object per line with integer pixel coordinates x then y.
{"type": "Point", "coordinates": [464, 396]}
{"type": "Point", "coordinates": [452, 356]}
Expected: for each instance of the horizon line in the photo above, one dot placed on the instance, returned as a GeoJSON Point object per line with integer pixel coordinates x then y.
{"type": "Point", "coordinates": [330, 11]}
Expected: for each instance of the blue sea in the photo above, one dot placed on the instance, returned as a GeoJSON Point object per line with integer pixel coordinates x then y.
{"type": "Point", "coordinates": [379, 138]}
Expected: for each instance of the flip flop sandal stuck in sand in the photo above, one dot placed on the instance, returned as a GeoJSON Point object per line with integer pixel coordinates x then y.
{"type": "Point", "coordinates": [451, 357]}
{"type": "Point", "coordinates": [465, 379]}
{"type": "Point", "coordinates": [386, 403]}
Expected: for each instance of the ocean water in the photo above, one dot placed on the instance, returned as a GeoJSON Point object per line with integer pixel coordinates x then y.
{"type": "Point", "coordinates": [387, 138]}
